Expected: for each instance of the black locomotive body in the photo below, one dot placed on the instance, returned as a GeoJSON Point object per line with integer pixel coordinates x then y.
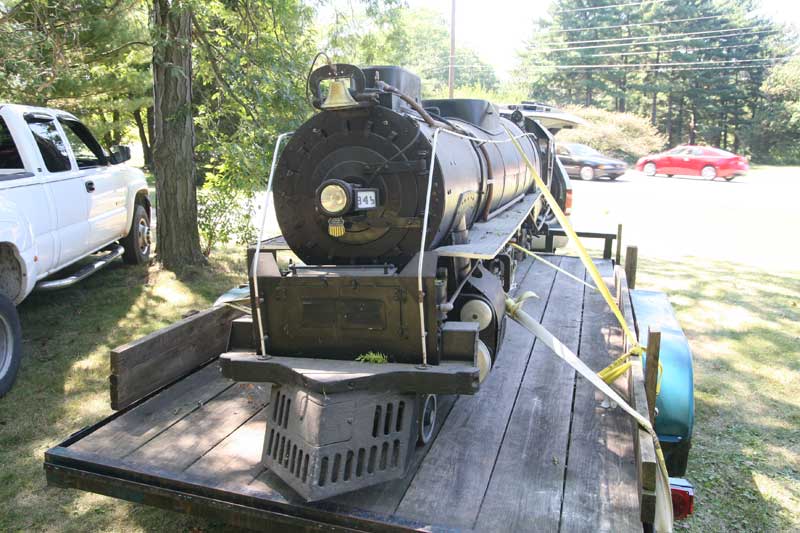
{"type": "Point", "coordinates": [351, 192]}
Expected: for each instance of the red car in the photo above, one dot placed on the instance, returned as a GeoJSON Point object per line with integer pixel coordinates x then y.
{"type": "Point", "coordinates": [694, 161]}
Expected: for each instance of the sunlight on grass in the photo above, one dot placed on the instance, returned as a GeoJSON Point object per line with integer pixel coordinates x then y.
{"type": "Point", "coordinates": [63, 385]}
{"type": "Point", "coordinates": [744, 328]}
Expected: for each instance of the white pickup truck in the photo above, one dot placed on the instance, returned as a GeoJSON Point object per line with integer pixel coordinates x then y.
{"type": "Point", "coordinates": [62, 198]}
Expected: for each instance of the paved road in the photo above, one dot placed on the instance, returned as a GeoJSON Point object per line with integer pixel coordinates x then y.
{"type": "Point", "coordinates": [752, 220]}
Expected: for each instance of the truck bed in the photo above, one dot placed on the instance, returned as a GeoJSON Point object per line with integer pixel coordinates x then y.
{"type": "Point", "coordinates": [536, 448]}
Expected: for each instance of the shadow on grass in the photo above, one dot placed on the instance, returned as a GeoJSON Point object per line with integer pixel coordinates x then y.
{"type": "Point", "coordinates": [63, 384]}
{"type": "Point", "coordinates": [742, 324]}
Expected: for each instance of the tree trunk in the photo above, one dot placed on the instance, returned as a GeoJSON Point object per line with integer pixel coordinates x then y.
{"type": "Point", "coordinates": [588, 96]}
{"type": "Point", "coordinates": [653, 109]}
{"type": "Point", "coordinates": [654, 106]}
{"type": "Point", "coordinates": [693, 127]}
{"type": "Point", "coordinates": [116, 135]}
{"type": "Point", "coordinates": [669, 119]}
{"type": "Point", "coordinates": [178, 241]}
{"type": "Point", "coordinates": [679, 135]}
{"type": "Point", "coordinates": [148, 155]}
{"type": "Point", "coordinates": [723, 135]}
{"type": "Point", "coordinates": [150, 127]}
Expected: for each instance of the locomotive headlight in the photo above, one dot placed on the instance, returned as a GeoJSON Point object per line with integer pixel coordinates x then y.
{"type": "Point", "coordinates": [335, 198]}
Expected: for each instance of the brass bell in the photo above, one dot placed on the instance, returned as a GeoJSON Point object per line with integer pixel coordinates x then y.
{"type": "Point", "coordinates": [339, 96]}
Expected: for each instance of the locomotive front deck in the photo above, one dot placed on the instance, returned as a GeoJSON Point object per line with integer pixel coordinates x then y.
{"type": "Point", "coordinates": [535, 449]}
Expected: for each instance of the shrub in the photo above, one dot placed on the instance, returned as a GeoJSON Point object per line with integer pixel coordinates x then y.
{"type": "Point", "coordinates": [223, 215]}
{"type": "Point", "coordinates": [621, 135]}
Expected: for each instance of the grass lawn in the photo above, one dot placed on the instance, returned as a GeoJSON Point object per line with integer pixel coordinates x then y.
{"type": "Point", "coordinates": [63, 386]}
{"type": "Point", "coordinates": [743, 324]}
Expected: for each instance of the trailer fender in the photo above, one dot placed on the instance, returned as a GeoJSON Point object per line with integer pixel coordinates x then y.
{"type": "Point", "coordinates": [675, 401]}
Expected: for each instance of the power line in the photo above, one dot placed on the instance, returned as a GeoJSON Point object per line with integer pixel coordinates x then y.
{"type": "Point", "coordinates": [651, 65]}
{"type": "Point", "coordinates": [660, 35]}
{"type": "Point", "coordinates": [727, 67]}
{"type": "Point", "coordinates": [672, 50]}
{"type": "Point", "coordinates": [647, 40]}
{"type": "Point", "coordinates": [644, 43]}
{"type": "Point", "coordinates": [610, 6]}
{"type": "Point", "coordinates": [678, 66]}
{"type": "Point", "coordinates": [636, 24]}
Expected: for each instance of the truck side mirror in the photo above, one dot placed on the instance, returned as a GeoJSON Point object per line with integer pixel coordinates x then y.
{"type": "Point", "coordinates": [120, 154]}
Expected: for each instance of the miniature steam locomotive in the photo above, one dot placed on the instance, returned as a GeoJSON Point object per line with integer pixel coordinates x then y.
{"type": "Point", "coordinates": [423, 295]}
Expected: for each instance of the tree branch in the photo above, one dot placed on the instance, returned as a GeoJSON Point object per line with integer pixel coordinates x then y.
{"type": "Point", "coordinates": [212, 60]}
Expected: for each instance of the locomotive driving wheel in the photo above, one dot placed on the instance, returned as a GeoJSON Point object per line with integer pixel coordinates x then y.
{"type": "Point", "coordinates": [427, 419]}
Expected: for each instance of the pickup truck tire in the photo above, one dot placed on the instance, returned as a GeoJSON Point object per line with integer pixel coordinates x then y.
{"type": "Point", "coordinates": [10, 344]}
{"type": "Point", "coordinates": [137, 241]}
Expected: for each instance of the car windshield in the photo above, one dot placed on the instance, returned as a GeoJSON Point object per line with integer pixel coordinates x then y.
{"type": "Point", "coordinates": [582, 150]}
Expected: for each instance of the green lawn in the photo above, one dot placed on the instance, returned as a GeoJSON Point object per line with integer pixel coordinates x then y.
{"type": "Point", "coordinates": [63, 386]}
{"type": "Point", "coordinates": [743, 324]}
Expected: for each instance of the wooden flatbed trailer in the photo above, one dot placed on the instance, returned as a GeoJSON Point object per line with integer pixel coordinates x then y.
{"type": "Point", "coordinates": [535, 449]}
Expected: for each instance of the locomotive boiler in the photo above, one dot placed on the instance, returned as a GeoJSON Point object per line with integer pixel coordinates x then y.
{"type": "Point", "coordinates": [399, 213]}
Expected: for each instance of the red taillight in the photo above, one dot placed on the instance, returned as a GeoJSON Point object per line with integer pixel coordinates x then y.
{"type": "Point", "coordinates": [568, 203]}
{"type": "Point", "coordinates": [682, 499]}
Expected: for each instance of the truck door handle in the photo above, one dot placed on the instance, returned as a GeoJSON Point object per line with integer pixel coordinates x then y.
{"type": "Point", "coordinates": [89, 186]}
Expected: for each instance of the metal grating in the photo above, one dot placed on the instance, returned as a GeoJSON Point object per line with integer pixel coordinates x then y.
{"type": "Point", "coordinates": [323, 446]}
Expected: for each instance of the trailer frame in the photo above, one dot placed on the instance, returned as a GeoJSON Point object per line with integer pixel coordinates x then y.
{"type": "Point", "coordinates": [595, 470]}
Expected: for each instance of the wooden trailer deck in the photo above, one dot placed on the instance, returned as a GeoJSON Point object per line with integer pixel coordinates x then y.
{"type": "Point", "coordinates": [535, 449]}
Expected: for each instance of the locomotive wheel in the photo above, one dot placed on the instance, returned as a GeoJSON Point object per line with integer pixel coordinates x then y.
{"type": "Point", "coordinates": [427, 419]}
{"type": "Point", "coordinates": [587, 173]}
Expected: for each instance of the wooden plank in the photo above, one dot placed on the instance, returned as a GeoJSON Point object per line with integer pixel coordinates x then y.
{"type": "Point", "coordinates": [643, 442]}
{"type": "Point", "coordinates": [128, 432]}
{"type": "Point", "coordinates": [332, 375]}
{"type": "Point", "coordinates": [236, 460]}
{"type": "Point", "coordinates": [631, 265]}
{"type": "Point", "coordinates": [147, 364]}
{"type": "Point", "coordinates": [601, 485]}
{"type": "Point", "coordinates": [176, 491]}
{"type": "Point", "coordinates": [651, 371]}
{"type": "Point", "coordinates": [193, 436]}
{"type": "Point", "coordinates": [450, 484]}
{"type": "Point", "coordinates": [528, 479]}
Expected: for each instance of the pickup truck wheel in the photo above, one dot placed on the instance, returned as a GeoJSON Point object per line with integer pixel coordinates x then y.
{"type": "Point", "coordinates": [10, 344]}
{"type": "Point", "coordinates": [137, 242]}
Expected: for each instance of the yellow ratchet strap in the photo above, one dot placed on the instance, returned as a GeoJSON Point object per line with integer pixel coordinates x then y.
{"type": "Point", "coordinates": [584, 255]}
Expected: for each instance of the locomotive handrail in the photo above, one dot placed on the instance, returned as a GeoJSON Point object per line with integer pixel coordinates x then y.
{"type": "Point", "coordinates": [420, 292]}
{"type": "Point", "coordinates": [254, 265]}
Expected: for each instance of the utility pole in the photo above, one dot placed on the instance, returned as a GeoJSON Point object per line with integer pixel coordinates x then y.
{"type": "Point", "coordinates": [451, 79]}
